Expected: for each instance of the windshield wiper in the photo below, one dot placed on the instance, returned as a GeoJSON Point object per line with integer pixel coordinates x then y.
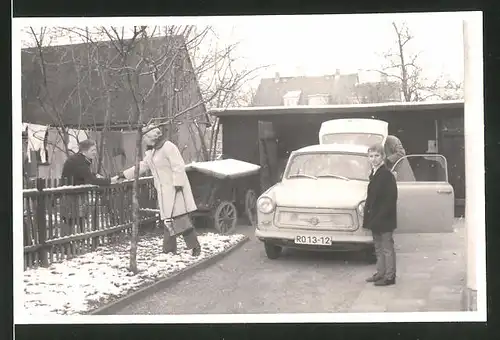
{"type": "Point", "coordinates": [302, 175]}
{"type": "Point", "coordinates": [335, 176]}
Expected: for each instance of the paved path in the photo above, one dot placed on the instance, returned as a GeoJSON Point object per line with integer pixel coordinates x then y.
{"type": "Point", "coordinates": [431, 270]}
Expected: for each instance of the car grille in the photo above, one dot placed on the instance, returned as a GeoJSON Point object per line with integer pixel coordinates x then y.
{"type": "Point", "coordinates": [318, 220]}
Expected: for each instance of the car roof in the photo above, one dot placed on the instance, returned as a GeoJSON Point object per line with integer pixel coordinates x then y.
{"type": "Point", "coordinates": [348, 148]}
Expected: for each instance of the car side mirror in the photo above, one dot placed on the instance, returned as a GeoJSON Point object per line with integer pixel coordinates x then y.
{"type": "Point", "coordinates": [395, 173]}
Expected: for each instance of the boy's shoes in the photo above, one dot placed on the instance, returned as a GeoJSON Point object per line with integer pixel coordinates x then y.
{"type": "Point", "coordinates": [374, 278]}
{"type": "Point", "coordinates": [385, 282]}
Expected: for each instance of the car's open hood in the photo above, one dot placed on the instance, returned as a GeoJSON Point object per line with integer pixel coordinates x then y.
{"type": "Point", "coordinates": [353, 126]}
{"type": "Point", "coordinates": [327, 193]}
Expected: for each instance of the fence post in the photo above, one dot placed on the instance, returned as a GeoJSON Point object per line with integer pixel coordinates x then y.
{"type": "Point", "coordinates": [41, 220]}
{"type": "Point", "coordinates": [95, 217]}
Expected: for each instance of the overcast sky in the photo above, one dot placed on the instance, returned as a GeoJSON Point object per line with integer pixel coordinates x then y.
{"type": "Point", "coordinates": [320, 44]}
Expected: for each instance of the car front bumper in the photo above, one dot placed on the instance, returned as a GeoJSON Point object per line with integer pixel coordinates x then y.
{"type": "Point", "coordinates": [340, 240]}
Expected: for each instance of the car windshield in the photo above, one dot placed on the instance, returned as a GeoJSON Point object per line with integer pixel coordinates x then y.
{"type": "Point", "coordinates": [334, 165]}
{"type": "Point", "coordinates": [365, 139]}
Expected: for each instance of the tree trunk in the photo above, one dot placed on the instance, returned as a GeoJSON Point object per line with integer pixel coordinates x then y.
{"type": "Point", "coordinates": [135, 187]}
{"type": "Point", "coordinates": [135, 204]}
{"type": "Point", "coordinates": [404, 71]}
{"type": "Point", "coordinates": [105, 126]}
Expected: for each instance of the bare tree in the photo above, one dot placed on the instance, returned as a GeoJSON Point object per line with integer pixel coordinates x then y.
{"type": "Point", "coordinates": [376, 92]}
{"type": "Point", "coordinates": [64, 79]}
{"type": "Point", "coordinates": [162, 83]}
{"type": "Point", "coordinates": [404, 67]}
{"type": "Point", "coordinates": [443, 88]}
{"type": "Point", "coordinates": [224, 82]}
{"type": "Point", "coordinates": [152, 73]}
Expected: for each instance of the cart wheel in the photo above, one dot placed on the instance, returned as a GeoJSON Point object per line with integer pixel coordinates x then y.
{"type": "Point", "coordinates": [251, 206]}
{"type": "Point", "coordinates": [225, 217]}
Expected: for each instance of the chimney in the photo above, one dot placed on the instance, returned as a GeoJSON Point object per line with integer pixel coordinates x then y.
{"type": "Point", "coordinates": [277, 77]}
{"type": "Point", "coordinates": [337, 74]}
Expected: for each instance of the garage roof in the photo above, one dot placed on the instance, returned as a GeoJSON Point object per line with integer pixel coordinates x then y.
{"type": "Point", "coordinates": [339, 109]}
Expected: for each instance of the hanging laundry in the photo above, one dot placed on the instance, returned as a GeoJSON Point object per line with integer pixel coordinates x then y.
{"type": "Point", "coordinates": [114, 151]}
{"type": "Point", "coordinates": [114, 143]}
{"type": "Point", "coordinates": [128, 141]}
{"type": "Point", "coordinates": [96, 137]}
{"type": "Point", "coordinates": [36, 141]}
{"type": "Point", "coordinates": [74, 137]}
{"type": "Point", "coordinates": [56, 152]}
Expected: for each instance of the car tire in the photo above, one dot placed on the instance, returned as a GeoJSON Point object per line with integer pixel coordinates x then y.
{"type": "Point", "coordinates": [272, 251]}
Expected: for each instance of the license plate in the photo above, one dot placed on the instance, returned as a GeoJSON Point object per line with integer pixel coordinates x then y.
{"type": "Point", "coordinates": [314, 240]}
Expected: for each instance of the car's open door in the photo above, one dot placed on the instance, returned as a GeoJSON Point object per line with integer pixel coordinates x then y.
{"type": "Point", "coordinates": [426, 200]}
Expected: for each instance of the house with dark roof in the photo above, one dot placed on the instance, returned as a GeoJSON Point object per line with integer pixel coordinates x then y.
{"type": "Point", "coordinates": [72, 88]}
{"type": "Point", "coordinates": [75, 86]}
{"type": "Point", "coordinates": [336, 89]}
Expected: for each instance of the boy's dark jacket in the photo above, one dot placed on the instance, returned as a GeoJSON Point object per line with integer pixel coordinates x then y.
{"type": "Point", "coordinates": [380, 213]}
{"type": "Point", "coordinates": [77, 170]}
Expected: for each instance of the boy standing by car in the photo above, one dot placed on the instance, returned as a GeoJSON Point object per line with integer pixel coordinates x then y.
{"type": "Point", "coordinates": [380, 215]}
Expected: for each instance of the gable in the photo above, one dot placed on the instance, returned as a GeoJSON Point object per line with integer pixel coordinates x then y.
{"type": "Point", "coordinates": [338, 89]}
{"type": "Point", "coordinates": [74, 91]}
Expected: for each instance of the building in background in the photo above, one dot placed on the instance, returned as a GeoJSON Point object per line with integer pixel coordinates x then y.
{"type": "Point", "coordinates": [354, 88]}
{"type": "Point", "coordinates": [62, 89]}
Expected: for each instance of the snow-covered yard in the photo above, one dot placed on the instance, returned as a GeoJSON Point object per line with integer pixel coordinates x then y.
{"type": "Point", "coordinates": [82, 284]}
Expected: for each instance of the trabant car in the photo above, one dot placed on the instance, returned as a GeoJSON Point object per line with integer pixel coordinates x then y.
{"type": "Point", "coordinates": [318, 204]}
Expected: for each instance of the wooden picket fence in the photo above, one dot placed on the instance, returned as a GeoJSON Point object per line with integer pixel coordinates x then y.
{"type": "Point", "coordinates": [63, 221]}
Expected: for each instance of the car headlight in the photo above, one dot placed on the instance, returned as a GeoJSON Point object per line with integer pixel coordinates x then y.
{"type": "Point", "coordinates": [361, 208]}
{"type": "Point", "coordinates": [265, 205]}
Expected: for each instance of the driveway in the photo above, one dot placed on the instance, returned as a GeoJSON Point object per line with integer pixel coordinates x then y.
{"type": "Point", "coordinates": [431, 272]}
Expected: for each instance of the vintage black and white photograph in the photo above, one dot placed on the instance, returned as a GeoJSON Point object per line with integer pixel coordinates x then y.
{"type": "Point", "coordinates": [253, 168]}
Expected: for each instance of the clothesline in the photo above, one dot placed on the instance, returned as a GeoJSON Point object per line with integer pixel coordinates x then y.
{"type": "Point", "coordinates": [118, 147]}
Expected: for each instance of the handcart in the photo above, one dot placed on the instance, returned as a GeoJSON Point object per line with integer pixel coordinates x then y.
{"type": "Point", "coordinates": [224, 190]}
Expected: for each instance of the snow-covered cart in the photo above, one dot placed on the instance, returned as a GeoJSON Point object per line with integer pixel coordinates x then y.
{"type": "Point", "coordinates": [223, 190]}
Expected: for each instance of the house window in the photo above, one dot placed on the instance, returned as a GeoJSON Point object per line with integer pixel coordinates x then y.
{"type": "Point", "coordinates": [291, 98]}
{"type": "Point", "coordinates": [318, 99]}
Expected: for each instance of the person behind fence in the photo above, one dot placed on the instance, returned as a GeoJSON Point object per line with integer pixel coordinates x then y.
{"type": "Point", "coordinates": [380, 216]}
{"type": "Point", "coordinates": [77, 171]}
{"type": "Point", "coordinates": [175, 198]}
{"type": "Point", "coordinates": [394, 152]}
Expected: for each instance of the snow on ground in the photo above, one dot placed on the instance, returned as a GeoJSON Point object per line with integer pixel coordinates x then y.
{"type": "Point", "coordinates": [81, 284]}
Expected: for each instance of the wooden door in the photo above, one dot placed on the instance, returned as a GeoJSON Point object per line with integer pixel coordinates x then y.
{"type": "Point", "coordinates": [268, 154]}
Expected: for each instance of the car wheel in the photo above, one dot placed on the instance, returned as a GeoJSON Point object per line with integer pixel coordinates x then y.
{"type": "Point", "coordinates": [272, 251]}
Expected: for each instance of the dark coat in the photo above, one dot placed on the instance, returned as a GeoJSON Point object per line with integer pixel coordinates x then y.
{"type": "Point", "coordinates": [394, 151]}
{"type": "Point", "coordinates": [380, 213]}
{"type": "Point", "coordinates": [77, 170]}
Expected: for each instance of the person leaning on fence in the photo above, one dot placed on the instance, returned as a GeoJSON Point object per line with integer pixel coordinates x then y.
{"type": "Point", "coordinates": [77, 171]}
{"type": "Point", "coordinates": [175, 198]}
{"type": "Point", "coordinates": [394, 152]}
{"type": "Point", "coordinates": [380, 216]}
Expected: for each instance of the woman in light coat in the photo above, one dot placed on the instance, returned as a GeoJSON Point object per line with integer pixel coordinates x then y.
{"type": "Point", "coordinates": [394, 151]}
{"type": "Point", "coordinates": [175, 198]}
